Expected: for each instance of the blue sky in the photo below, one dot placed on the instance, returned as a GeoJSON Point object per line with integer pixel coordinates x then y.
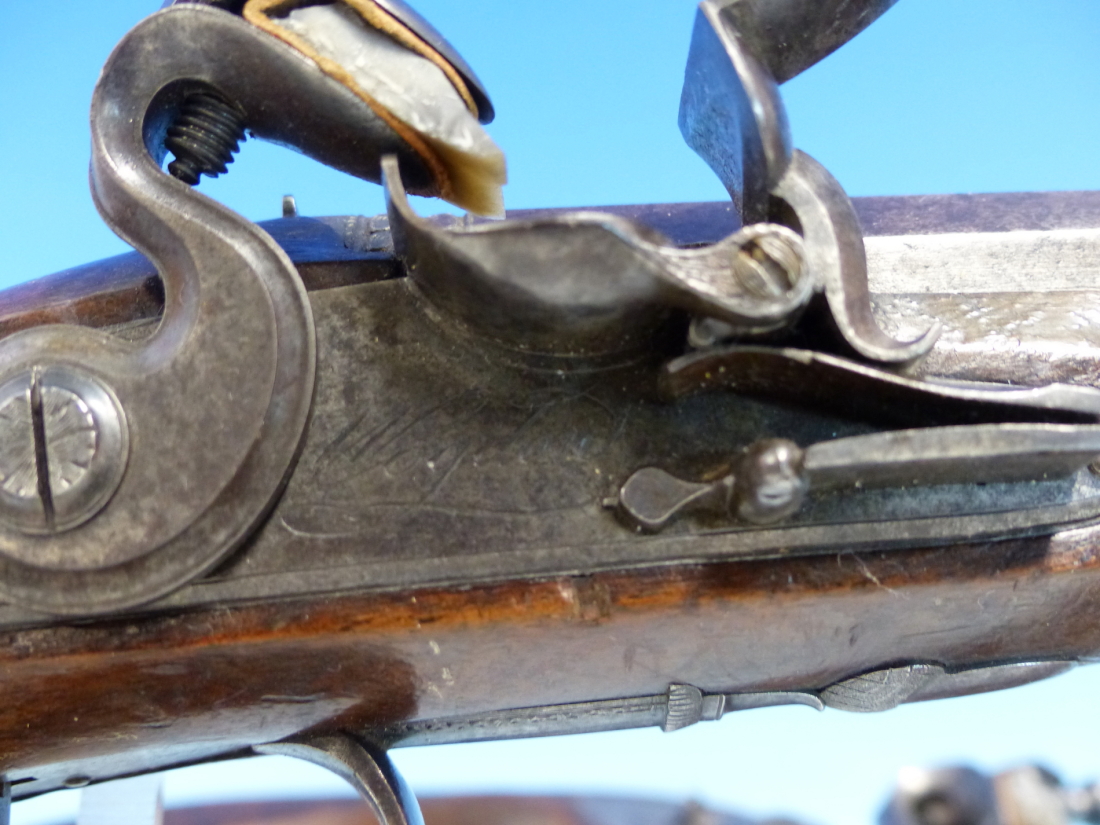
{"type": "Point", "coordinates": [938, 96]}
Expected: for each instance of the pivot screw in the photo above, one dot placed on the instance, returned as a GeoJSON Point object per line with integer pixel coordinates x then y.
{"type": "Point", "coordinates": [769, 483]}
{"type": "Point", "coordinates": [769, 264]}
{"type": "Point", "coordinates": [63, 449]}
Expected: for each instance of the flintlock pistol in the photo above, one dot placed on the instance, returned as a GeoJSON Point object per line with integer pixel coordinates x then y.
{"type": "Point", "coordinates": [329, 486]}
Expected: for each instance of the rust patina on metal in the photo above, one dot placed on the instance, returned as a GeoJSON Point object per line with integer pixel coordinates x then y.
{"type": "Point", "coordinates": [393, 481]}
{"type": "Point", "coordinates": [338, 577]}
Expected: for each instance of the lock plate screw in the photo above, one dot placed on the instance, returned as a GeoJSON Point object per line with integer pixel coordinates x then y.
{"type": "Point", "coordinates": [63, 447]}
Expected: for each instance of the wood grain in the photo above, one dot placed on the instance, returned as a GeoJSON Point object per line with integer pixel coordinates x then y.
{"type": "Point", "coordinates": [119, 696]}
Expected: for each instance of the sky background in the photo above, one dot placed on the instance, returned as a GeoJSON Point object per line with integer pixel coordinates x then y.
{"type": "Point", "coordinates": [937, 96]}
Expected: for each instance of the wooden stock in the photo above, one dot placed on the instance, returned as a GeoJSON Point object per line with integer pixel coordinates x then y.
{"type": "Point", "coordinates": [171, 690]}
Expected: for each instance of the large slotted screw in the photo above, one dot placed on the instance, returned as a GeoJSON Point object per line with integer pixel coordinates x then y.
{"type": "Point", "coordinates": [63, 448]}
